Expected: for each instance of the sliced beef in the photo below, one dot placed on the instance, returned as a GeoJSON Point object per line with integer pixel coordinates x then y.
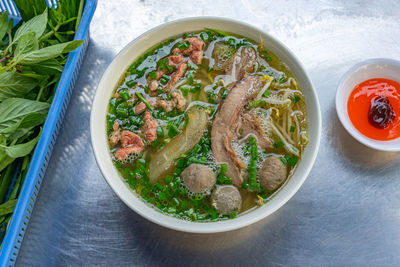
{"type": "Point", "coordinates": [167, 106]}
{"type": "Point", "coordinates": [197, 57]}
{"type": "Point", "coordinates": [160, 73]}
{"type": "Point", "coordinates": [130, 143]}
{"type": "Point", "coordinates": [178, 101]}
{"type": "Point", "coordinates": [174, 59]}
{"type": "Point", "coordinates": [115, 135]}
{"type": "Point", "coordinates": [140, 108]}
{"type": "Point", "coordinates": [225, 120]}
{"type": "Point", "coordinates": [196, 44]}
{"type": "Point", "coordinates": [250, 124]}
{"type": "Point", "coordinates": [153, 85]}
{"type": "Point", "coordinates": [242, 62]}
{"type": "Point", "coordinates": [150, 127]}
{"type": "Point", "coordinates": [176, 75]}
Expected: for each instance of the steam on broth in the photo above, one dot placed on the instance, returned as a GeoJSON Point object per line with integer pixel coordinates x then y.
{"type": "Point", "coordinates": [207, 126]}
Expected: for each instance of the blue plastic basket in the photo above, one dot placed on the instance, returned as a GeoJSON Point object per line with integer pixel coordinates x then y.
{"type": "Point", "coordinates": [34, 177]}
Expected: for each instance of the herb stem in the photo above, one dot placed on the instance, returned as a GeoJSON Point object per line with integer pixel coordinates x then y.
{"type": "Point", "coordinates": [141, 97]}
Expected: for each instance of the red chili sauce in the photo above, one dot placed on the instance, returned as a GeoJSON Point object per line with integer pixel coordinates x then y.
{"type": "Point", "coordinates": [374, 108]}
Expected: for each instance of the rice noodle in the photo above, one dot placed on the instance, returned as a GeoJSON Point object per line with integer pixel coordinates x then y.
{"type": "Point", "coordinates": [178, 84]}
{"type": "Point", "coordinates": [287, 146]}
{"type": "Point", "coordinates": [265, 87]}
{"type": "Point", "coordinates": [275, 101]}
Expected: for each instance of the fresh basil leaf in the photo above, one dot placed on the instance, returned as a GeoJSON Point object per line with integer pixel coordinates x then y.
{"type": "Point", "coordinates": [27, 43]}
{"type": "Point", "coordinates": [24, 125]}
{"type": "Point", "coordinates": [3, 24]}
{"type": "Point", "coordinates": [29, 9]}
{"type": "Point", "coordinates": [36, 24]}
{"type": "Point", "coordinates": [47, 52]}
{"type": "Point", "coordinates": [13, 84]}
{"type": "Point", "coordinates": [21, 150]}
{"type": "Point", "coordinates": [13, 110]}
{"type": "Point", "coordinates": [51, 66]}
{"type": "Point", "coordinates": [5, 160]}
{"type": "Point", "coordinates": [8, 207]}
{"type": "Point", "coordinates": [34, 75]}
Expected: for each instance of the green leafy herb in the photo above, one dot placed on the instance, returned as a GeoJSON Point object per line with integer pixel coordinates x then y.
{"type": "Point", "coordinates": [279, 144]}
{"type": "Point", "coordinates": [32, 56]}
{"type": "Point", "coordinates": [295, 99]}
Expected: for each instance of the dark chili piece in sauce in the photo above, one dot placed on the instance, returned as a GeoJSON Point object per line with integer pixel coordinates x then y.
{"type": "Point", "coordinates": [380, 113]}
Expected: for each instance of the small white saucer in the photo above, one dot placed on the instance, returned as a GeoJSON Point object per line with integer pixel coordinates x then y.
{"type": "Point", "coordinates": [372, 68]}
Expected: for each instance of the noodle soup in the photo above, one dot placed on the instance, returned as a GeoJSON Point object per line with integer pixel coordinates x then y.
{"type": "Point", "coordinates": [207, 126]}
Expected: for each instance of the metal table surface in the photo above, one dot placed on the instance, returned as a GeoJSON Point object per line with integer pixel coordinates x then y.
{"type": "Point", "coordinates": [346, 213]}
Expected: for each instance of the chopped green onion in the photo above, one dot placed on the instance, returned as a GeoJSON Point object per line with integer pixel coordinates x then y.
{"type": "Point", "coordinates": [224, 93]}
{"type": "Point", "coordinates": [131, 83]}
{"type": "Point", "coordinates": [295, 99]}
{"type": "Point", "coordinates": [173, 131]}
{"type": "Point", "coordinates": [292, 128]}
{"type": "Point", "coordinates": [124, 93]}
{"type": "Point", "coordinates": [141, 97]}
{"type": "Point", "coordinates": [185, 89]}
{"type": "Point", "coordinates": [122, 113]}
{"type": "Point", "coordinates": [279, 144]}
{"type": "Point", "coordinates": [155, 143]}
{"type": "Point", "coordinates": [190, 78]}
{"type": "Point", "coordinates": [196, 88]}
{"type": "Point", "coordinates": [257, 103]}
{"type": "Point", "coordinates": [290, 160]}
{"type": "Point", "coordinates": [160, 132]}
{"type": "Point", "coordinates": [168, 179]}
{"type": "Point", "coordinates": [267, 93]}
{"type": "Point", "coordinates": [152, 75]}
{"type": "Point", "coordinates": [231, 42]}
{"type": "Point", "coordinates": [223, 168]}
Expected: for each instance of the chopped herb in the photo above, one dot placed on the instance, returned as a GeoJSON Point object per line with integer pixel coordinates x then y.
{"type": "Point", "coordinates": [152, 75]}
{"type": "Point", "coordinates": [131, 83]}
{"type": "Point", "coordinates": [164, 80]}
{"type": "Point", "coordinates": [224, 93]}
{"type": "Point", "coordinates": [141, 97]}
{"type": "Point", "coordinates": [223, 168]}
{"type": "Point", "coordinates": [257, 103]}
{"type": "Point", "coordinates": [192, 67]}
{"type": "Point", "coordinates": [124, 93]}
{"type": "Point", "coordinates": [279, 144]}
{"type": "Point", "coordinates": [185, 89]}
{"type": "Point", "coordinates": [160, 132]}
{"type": "Point", "coordinates": [292, 128]}
{"type": "Point", "coordinates": [155, 143]}
{"type": "Point", "coordinates": [172, 131]}
{"type": "Point", "coordinates": [190, 78]}
{"type": "Point", "coordinates": [184, 45]}
{"type": "Point", "coordinates": [289, 160]}
{"type": "Point", "coordinates": [267, 93]}
{"type": "Point", "coordinates": [295, 99]}
{"type": "Point", "coordinates": [196, 88]}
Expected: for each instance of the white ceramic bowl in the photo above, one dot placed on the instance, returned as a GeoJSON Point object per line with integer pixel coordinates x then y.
{"type": "Point", "coordinates": [147, 40]}
{"type": "Point", "coordinates": [372, 68]}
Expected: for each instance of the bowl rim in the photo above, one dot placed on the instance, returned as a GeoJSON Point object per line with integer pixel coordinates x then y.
{"type": "Point", "coordinates": [219, 226]}
{"type": "Point", "coordinates": [342, 110]}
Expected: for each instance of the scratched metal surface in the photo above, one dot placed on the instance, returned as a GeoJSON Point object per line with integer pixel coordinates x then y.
{"type": "Point", "coordinates": [346, 213]}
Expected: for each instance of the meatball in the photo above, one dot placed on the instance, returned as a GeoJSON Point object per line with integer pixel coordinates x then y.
{"type": "Point", "coordinates": [226, 199]}
{"type": "Point", "coordinates": [198, 178]}
{"type": "Point", "coordinates": [273, 173]}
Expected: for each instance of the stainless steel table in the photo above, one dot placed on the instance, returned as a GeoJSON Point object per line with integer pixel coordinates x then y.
{"type": "Point", "coordinates": [346, 213]}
